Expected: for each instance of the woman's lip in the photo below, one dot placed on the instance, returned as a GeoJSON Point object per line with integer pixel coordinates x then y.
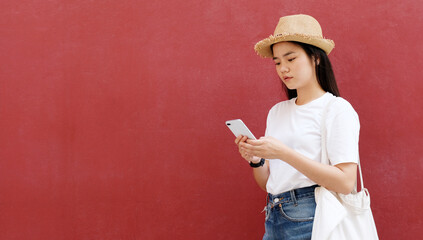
{"type": "Point", "coordinates": [287, 78]}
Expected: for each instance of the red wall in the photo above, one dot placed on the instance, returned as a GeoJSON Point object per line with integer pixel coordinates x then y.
{"type": "Point", "coordinates": [112, 113]}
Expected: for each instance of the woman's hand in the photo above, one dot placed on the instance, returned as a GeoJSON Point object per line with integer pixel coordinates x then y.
{"type": "Point", "coordinates": [265, 147]}
{"type": "Point", "coordinates": [248, 157]}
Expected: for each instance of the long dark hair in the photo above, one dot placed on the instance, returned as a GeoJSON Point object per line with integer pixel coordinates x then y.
{"type": "Point", "coordinates": [324, 71]}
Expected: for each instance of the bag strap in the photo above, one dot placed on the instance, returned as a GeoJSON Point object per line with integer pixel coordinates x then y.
{"type": "Point", "coordinates": [324, 157]}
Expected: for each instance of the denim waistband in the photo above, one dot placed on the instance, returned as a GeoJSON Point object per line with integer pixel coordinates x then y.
{"type": "Point", "coordinates": [291, 195]}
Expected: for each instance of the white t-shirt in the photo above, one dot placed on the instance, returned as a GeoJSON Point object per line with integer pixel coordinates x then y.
{"type": "Point", "coordinates": [298, 127]}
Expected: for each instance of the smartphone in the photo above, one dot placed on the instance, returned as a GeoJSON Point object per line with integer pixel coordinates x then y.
{"type": "Point", "coordinates": [239, 128]}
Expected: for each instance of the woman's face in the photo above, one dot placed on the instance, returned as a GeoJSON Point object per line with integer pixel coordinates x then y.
{"type": "Point", "coordinates": [294, 67]}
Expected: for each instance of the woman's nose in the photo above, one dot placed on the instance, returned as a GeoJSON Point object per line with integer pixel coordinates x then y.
{"type": "Point", "coordinates": [283, 69]}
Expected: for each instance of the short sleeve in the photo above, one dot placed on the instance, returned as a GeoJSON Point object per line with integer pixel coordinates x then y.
{"type": "Point", "coordinates": [270, 116]}
{"type": "Point", "coordinates": [343, 129]}
{"type": "Point", "coordinates": [266, 133]}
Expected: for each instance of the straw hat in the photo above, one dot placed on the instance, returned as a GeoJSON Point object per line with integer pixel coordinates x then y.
{"type": "Point", "coordinates": [299, 28]}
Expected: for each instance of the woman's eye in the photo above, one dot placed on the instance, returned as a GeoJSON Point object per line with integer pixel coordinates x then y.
{"type": "Point", "coordinates": [290, 60]}
{"type": "Point", "coordinates": [276, 63]}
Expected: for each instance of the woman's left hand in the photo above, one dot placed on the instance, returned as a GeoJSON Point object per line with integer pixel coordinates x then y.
{"type": "Point", "coordinates": [265, 147]}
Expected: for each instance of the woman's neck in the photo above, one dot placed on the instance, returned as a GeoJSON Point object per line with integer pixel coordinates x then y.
{"type": "Point", "coordinates": [304, 97]}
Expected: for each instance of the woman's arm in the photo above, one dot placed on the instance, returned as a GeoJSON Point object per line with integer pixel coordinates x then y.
{"type": "Point", "coordinates": [340, 178]}
{"type": "Point", "coordinates": [261, 174]}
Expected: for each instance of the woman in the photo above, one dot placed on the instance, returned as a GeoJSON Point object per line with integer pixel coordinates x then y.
{"type": "Point", "coordinates": [292, 142]}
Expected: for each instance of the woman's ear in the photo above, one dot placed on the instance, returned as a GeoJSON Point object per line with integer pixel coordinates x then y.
{"type": "Point", "coordinates": [317, 61]}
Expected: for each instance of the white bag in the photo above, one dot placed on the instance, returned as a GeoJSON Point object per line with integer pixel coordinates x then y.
{"type": "Point", "coordinates": [340, 216]}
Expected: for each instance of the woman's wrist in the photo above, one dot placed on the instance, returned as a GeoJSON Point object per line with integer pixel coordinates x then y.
{"type": "Point", "coordinates": [255, 160]}
{"type": "Point", "coordinates": [285, 153]}
{"type": "Point", "coordinates": [259, 164]}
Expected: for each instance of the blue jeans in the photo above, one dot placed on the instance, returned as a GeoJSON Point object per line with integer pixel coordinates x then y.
{"type": "Point", "coordinates": [290, 215]}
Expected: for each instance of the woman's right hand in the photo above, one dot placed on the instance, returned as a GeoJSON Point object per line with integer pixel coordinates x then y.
{"type": "Point", "coordinates": [246, 156]}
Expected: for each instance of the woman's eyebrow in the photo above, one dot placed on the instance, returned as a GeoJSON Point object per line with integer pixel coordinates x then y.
{"type": "Point", "coordinates": [286, 54]}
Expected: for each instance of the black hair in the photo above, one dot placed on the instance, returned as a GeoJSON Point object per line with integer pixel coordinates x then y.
{"type": "Point", "coordinates": [323, 67]}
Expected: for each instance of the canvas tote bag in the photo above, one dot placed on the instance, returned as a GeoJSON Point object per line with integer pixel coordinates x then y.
{"type": "Point", "coordinates": [339, 216]}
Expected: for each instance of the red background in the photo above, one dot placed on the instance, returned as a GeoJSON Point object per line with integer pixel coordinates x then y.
{"type": "Point", "coordinates": [112, 113]}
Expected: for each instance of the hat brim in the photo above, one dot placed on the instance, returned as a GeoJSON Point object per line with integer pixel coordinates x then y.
{"type": "Point", "coordinates": [263, 47]}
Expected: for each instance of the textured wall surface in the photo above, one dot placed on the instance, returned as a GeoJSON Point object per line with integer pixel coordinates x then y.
{"type": "Point", "coordinates": [112, 113]}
